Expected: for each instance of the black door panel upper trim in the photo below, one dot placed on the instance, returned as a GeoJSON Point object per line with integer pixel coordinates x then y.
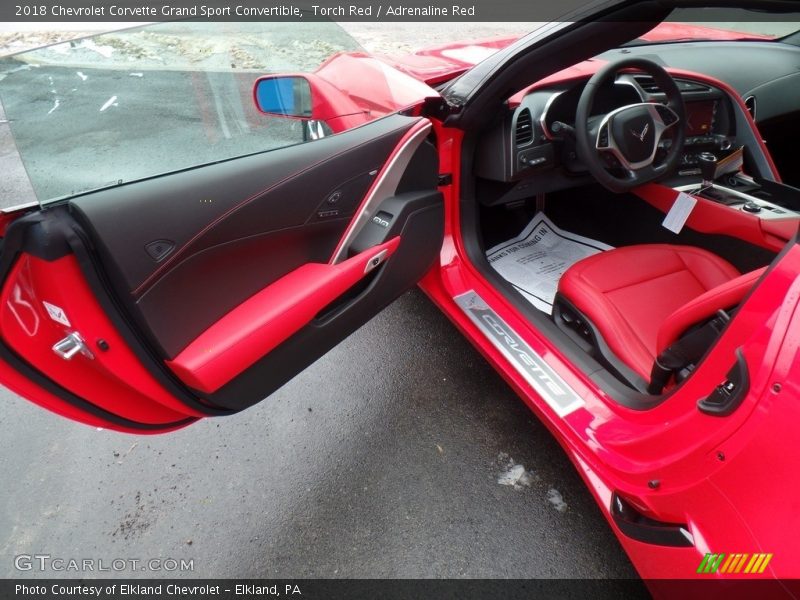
{"type": "Point", "coordinates": [385, 185]}
{"type": "Point", "coordinates": [183, 206]}
{"type": "Point", "coordinates": [230, 248]}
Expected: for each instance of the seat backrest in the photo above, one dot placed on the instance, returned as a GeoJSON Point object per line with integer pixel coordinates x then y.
{"type": "Point", "coordinates": [696, 311]}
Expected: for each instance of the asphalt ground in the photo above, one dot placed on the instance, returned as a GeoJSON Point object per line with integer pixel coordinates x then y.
{"type": "Point", "coordinates": [380, 460]}
{"type": "Point", "coordinates": [386, 458]}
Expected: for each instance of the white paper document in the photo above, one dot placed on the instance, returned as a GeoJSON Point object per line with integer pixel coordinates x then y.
{"type": "Point", "coordinates": [536, 259]}
{"type": "Point", "coordinates": [680, 211]}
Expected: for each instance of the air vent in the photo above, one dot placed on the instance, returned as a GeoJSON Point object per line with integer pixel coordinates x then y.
{"type": "Point", "coordinates": [691, 86]}
{"type": "Point", "coordinates": [750, 103]}
{"type": "Point", "coordinates": [523, 134]}
{"type": "Point", "coordinates": [649, 85]}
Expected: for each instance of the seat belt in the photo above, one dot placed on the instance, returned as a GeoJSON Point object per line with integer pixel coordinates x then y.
{"type": "Point", "coordinates": [682, 356]}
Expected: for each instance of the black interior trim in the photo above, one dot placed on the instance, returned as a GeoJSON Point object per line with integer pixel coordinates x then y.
{"type": "Point", "coordinates": [722, 402]}
{"type": "Point", "coordinates": [267, 215]}
{"type": "Point", "coordinates": [597, 345]}
{"type": "Point", "coordinates": [224, 201]}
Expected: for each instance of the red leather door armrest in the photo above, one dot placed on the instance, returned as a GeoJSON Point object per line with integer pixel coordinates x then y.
{"type": "Point", "coordinates": [268, 318]}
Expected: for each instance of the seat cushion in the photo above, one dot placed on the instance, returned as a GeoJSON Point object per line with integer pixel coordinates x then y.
{"type": "Point", "coordinates": [628, 293]}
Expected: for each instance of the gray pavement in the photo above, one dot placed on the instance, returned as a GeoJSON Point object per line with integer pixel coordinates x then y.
{"type": "Point", "coordinates": [380, 460]}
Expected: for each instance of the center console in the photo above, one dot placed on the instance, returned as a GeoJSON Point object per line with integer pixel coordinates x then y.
{"type": "Point", "coordinates": [723, 182]}
{"type": "Point", "coordinates": [741, 193]}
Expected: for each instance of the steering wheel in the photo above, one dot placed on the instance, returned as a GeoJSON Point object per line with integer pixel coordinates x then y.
{"type": "Point", "coordinates": [630, 134]}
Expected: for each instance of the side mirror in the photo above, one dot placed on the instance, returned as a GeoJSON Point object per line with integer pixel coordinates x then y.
{"type": "Point", "coordinates": [284, 96]}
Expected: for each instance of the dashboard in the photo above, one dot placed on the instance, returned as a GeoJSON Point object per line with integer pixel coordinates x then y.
{"type": "Point", "coordinates": [536, 136]}
{"type": "Point", "coordinates": [521, 155]}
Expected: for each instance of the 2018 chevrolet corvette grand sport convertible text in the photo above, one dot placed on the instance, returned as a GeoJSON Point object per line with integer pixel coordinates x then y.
{"type": "Point", "coordinates": [606, 208]}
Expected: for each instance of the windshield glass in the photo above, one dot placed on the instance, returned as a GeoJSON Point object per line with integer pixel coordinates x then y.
{"type": "Point", "coordinates": [708, 24]}
{"type": "Point", "coordinates": [123, 106]}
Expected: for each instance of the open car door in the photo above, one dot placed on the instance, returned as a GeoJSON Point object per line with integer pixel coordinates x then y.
{"type": "Point", "coordinates": [145, 306]}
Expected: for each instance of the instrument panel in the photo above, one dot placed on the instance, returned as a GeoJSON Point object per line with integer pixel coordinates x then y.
{"type": "Point", "coordinates": [537, 136]}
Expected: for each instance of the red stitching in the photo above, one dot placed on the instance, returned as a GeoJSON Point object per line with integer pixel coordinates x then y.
{"type": "Point", "coordinates": [141, 287]}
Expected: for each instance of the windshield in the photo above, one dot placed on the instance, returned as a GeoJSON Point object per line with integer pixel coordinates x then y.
{"type": "Point", "coordinates": [712, 24]}
{"type": "Point", "coordinates": [123, 106]}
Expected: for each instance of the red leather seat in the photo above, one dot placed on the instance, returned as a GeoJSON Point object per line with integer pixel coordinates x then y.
{"type": "Point", "coordinates": [642, 298]}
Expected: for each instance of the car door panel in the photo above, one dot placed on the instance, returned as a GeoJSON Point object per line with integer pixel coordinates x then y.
{"type": "Point", "coordinates": [168, 312]}
{"type": "Point", "coordinates": [417, 218]}
{"type": "Point", "coordinates": [218, 202]}
{"type": "Point", "coordinates": [264, 224]}
{"type": "Point", "coordinates": [254, 276]}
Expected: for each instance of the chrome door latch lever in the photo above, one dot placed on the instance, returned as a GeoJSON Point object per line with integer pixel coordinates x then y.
{"type": "Point", "coordinates": [72, 345]}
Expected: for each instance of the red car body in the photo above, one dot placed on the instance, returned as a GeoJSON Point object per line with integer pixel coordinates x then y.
{"type": "Point", "coordinates": [723, 479]}
{"type": "Point", "coordinates": [351, 88]}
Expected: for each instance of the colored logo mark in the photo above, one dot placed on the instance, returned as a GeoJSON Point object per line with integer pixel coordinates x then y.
{"type": "Point", "coordinates": [750, 564]}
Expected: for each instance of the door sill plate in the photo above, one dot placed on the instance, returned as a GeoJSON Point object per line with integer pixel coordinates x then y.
{"type": "Point", "coordinates": [532, 367]}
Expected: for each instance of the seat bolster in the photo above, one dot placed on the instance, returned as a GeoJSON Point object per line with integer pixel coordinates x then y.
{"type": "Point", "coordinates": [695, 311]}
{"type": "Point", "coordinates": [709, 270]}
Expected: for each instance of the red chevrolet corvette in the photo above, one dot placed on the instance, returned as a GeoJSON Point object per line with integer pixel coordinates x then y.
{"type": "Point", "coordinates": [606, 208]}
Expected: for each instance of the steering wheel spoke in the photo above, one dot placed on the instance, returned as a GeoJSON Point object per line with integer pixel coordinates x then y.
{"type": "Point", "coordinates": [602, 139]}
{"type": "Point", "coordinates": [665, 115]}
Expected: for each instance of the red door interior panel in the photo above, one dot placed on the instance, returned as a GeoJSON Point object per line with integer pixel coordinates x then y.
{"type": "Point", "coordinates": [270, 317]}
{"type": "Point", "coordinates": [42, 302]}
{"type": "Point", "coordinates": [225, 231]}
